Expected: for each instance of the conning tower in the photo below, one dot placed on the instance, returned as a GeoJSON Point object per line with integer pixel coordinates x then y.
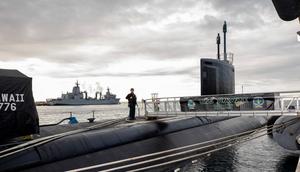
{"type": "Point", "coordinates": [217, 75]}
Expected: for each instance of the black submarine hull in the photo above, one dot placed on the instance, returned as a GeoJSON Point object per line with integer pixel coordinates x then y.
{"type": "Point", "coordinates": [288, 137]}
{"type": "Point", "coordinates": [102, 146]}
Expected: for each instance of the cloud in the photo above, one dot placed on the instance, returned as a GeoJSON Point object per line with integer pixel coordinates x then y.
{"type": "Point", "coordinates": [92, 72]}
{"type": "Point", "coordinates": [87, 37]}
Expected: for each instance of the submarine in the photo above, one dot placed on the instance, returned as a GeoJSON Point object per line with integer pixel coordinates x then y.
{"type": "Point", "coordinates": [149, 144]}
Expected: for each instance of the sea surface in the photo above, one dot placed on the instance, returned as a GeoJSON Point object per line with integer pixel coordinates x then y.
{"type": "Point", "coordinates": [259, 155]}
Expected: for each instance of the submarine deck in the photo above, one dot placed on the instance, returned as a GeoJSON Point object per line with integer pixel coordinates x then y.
{"type": "Point", "coordinates": [111, 123]}
{"type": "Point", "coordinates": [110, 141]}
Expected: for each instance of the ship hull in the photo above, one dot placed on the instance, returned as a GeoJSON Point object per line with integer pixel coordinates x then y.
{"type": "Point", "coordinates": [82, 102]}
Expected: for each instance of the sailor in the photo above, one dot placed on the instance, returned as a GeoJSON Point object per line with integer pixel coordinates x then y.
{"type": "Point", "coordinates": [131, 97]}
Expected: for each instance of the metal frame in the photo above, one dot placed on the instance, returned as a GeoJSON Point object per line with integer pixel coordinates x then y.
{"type": "Point", "coordinates": [287, 103]}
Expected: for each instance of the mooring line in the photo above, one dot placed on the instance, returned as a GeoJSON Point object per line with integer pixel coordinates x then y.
{"type": "Point", "coordinates": [183, 147]}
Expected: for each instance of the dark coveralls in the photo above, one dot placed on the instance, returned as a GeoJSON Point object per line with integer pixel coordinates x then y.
{"type": "Point", "coordinates": [131, 104]}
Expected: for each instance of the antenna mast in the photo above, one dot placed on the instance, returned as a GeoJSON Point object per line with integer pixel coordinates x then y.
{"type": "Point", "coordinates": [224, 32]}
{"type": "Point", "coordinates": [218, 44]}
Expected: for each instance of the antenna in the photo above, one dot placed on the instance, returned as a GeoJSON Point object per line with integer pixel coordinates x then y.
{"type": "Point", "coordinates": [224, 32]}
{"type": "Point", "coordinates": [218, 45]}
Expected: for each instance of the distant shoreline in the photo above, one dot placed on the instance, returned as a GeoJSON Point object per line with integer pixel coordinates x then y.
{"type": "Point", "coordinates": [41, 103]}
{"type": "Point", "coordinates": [44, 103]}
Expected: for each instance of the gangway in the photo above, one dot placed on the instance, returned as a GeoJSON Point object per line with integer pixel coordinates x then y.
{"type": "Point", "coordinates": [248, 104]}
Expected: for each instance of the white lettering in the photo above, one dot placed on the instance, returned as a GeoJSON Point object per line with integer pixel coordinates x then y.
{"type": "Point", "coordinates": [6, 106]}
{"type": "Point", "coordinates": [13, 106]}
{"type": "Point", "coordinates": [17, 95]}
{"type": "Point", "coordinates": [4, 97]}
{"type": "Point", "coordinates": [8, 101]}
{"type": "Point", "coordinates": [12, 98]}
{"type": "Point", "coordinates": [22, 97]}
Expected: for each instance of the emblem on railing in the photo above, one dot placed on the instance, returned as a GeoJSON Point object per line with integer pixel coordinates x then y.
{"type": "Point", "coordinates": [191, 104]}
{"type": "Point", "coordinates": [258, 102]}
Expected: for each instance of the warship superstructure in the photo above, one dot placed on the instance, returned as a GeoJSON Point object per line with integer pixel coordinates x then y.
{"type": "Point", "coordinates": [77, 97]}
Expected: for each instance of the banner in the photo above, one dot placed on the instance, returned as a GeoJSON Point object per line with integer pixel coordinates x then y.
{"type": "Point", "coordinates": [18, 114]}
{"type": "Point", "coordinates": [236, 102]}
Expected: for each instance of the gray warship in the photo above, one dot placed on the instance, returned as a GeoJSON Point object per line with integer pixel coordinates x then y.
{"type": "Point", "coordinates": [81, 98]}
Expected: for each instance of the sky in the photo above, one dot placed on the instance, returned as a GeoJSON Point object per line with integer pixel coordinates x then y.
{"type": "Point", "coordinates": [154, 46]}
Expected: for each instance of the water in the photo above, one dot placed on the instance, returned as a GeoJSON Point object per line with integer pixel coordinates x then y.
{"type": "Point", "coordinates": [262, 154]}
{"type": "Point", "coordinates": [53, 114]}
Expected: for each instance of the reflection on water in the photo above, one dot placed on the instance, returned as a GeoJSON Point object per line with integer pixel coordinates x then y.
{"type": "Point", "coordinates": [287, 164]}
{"type": "Point", "coordinates": [222, 161]}
{"type": "Point", "coordinates": [262, 154]}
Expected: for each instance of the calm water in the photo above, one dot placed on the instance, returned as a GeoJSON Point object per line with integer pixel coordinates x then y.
{"type": "Point", "coordinates": [53, 114]}
{"type": "Point", "coordinates": [261, 154]}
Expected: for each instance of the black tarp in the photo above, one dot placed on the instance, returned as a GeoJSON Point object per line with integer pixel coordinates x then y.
{"type": "Point", "coordinates": [18, 114]}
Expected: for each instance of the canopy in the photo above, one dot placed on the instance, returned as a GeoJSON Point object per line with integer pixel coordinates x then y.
{"type": "Point", "coordinates": [18, 114]}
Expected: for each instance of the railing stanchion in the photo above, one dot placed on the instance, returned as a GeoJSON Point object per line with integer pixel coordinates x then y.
{"type": "Point", "coordinates": [145, 108]}
{"type": "Point", "coordinates": [282, 104]}
{"type": "Point", "coordinates": [297, 103]}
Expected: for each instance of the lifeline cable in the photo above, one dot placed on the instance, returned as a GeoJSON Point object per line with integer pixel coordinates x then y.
{"type": "Point", "coordinates": [161, 152]}
{"type": "Point", "coordinates": [44, 140]}
{"type": "Point", "coordinates": [207, 152]}
{"type": "Point", "coordinates": [47, 139]}
{"type": "Point", "coordinates": [158, 153]}
{"type": "Point", "coordinates": [191, 157]}
{"type": "Point", "coordinates": [172, 155]}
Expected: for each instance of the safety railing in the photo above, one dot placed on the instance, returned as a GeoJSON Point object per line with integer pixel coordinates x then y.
{"type": "Point", "coordinates": [252, 104]}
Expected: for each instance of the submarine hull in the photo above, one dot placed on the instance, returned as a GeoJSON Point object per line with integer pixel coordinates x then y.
{"type": "Point", "coordinates": [102, 146]}
{"type": "Point", "coordinates": [288, 137]}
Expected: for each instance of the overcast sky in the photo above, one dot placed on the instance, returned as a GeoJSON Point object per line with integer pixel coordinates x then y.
{"type": "Point", "coordinates": [151, 45]}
